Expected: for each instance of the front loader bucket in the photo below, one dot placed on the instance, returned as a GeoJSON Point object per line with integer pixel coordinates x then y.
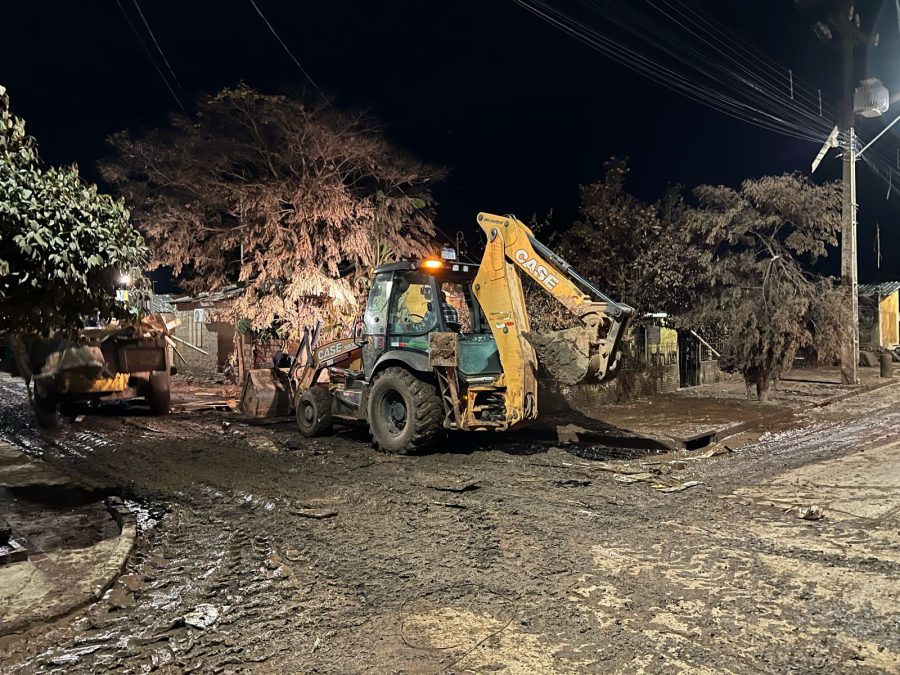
{"type": "Point", "coordinates": [266, 393]}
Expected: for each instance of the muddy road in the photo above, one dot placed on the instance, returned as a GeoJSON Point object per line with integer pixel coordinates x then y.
{"type": "Point", "coordinates": [513, 556]}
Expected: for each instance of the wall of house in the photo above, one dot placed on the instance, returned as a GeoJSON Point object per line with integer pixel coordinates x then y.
{"type": "Point", "coordinates": [629, 385]}
{"type": "Point", "coordinates": [216, 338]}
{"type": "Point", "coordinates": [710, 372]}
{"type": "Point", "coordinates": [888, 309]}
{"type": "Point", "coordinates": [869, 335]}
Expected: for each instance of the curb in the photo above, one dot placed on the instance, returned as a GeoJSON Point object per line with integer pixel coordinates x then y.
{"type": "Point", "coordinates": [102, 577]}
{"type": "Point", "coordinates": [863, 389]}
{"type": "Point", "coordinates": [118, 558]}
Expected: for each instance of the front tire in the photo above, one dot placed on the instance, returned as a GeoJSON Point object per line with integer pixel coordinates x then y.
{"type": "Point", "coordinates": [314, 412]}
{"type": "Point", "coordinates": [160, 392]}
{"type": "Point", "coordinates": [46, 407]}
{"type": "Point", "coordinates": [405, 413]}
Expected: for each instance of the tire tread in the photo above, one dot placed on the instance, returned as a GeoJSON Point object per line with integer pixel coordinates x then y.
{"type": "Point", "coordinates": [429, 411]}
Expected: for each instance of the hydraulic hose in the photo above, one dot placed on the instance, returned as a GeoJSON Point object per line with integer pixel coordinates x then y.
{"type": "Point", "coordinates": [614, 308]}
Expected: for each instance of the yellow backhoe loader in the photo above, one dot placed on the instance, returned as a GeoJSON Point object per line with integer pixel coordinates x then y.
{"type": "Point", "coordinates": [445, 344]}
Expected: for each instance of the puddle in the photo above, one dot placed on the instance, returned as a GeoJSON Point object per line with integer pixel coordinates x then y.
{"type": "Point", "coordinates": [48, 518]}
{"type": "Point", "coordinates": [53, 497]}
{"type": "Point", "coordinates": [147, 516]}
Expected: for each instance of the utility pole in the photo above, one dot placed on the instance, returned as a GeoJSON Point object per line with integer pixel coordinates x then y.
{"type": "Point", "coordinates": [849, 277]}
{"type": "Point", "coordinates": [845, 22]}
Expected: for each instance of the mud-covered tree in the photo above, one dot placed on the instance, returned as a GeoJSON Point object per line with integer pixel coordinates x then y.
{"type": "Point", "coordinates": [753, 247]}
{"type": "Point", "coordinates": [628, 247]}
{"type": "Point", "coordinates": [292, 199]}
{"type": "Point", "coordinates": [62, 243]}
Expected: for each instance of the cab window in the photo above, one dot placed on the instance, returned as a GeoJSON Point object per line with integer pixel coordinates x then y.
{"type": "Point", "coordinates": [413, 306]}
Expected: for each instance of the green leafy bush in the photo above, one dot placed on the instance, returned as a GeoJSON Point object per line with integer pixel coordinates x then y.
{"type": "Point", "coordinates": [62, 243]}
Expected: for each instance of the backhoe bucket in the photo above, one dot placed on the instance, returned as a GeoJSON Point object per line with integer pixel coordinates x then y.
{"type": "Point", "coordinates": [564, 354]}
{"type": "Point", "coordinates": [577, 355]}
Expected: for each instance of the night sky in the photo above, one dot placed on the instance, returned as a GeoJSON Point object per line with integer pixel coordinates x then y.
{"type": "Point", "coordinates": [520, 113]}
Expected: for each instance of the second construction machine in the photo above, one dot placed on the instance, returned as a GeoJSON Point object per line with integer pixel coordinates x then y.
{"type": "Point", "coordinates": [445, 345]}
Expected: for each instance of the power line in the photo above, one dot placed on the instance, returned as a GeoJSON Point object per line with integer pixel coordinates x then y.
{"type": "Point", "coordinates": [667, 77]}
{"type": "Point", "coordinates": [726, 43]}
{"type": "Point", "coordinates": [328, 102]}
{"type": "Point", "coordinates": [152, 60]}
{"type": "Point", "coordinates": [155, 42]}
{"type": "Point", "coordinates": [288, 52]}
{"type": "Point", "coordinates": [756, 55]}
{"type": "Point", "coordinates": [757, 87]}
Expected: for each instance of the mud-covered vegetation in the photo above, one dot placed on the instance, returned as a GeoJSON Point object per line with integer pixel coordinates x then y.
{"type": "Point", "coordinates": [753, 247]}
{"type": "Point", "coordinates": [736, 262]}
{"type": "Point", "coordinates": [292, 199]}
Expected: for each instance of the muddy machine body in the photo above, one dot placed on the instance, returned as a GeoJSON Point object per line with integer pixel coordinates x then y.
{"type": "Point", "coordinates": [447, 345]}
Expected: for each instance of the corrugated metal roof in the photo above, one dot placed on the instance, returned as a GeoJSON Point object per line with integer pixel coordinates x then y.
{"type": "Point", "coordinates": [161, 303]}
{"type": "Point", "coordinates": [215, 296]}
{"type": "Point", "coordinates": [884, 288]}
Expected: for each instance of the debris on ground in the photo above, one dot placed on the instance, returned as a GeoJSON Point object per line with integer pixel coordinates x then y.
{"type": "Point", "coordinates": [714, 451]}
{"type": "Point", "coordinates": [634, 477]}
{"type": "Point", "coordinates": [264, 444]}
{"type": "Point", "coordinates": [572, 482]}
{"type": "Point", "coordinates": [450, 505]}
{"type": "Point", "coordinates": [631, 556]}
{"type": "Point", "coordinates": [459, 486]}
{"type": "Point", "coordinates": [566, 434]}
{"type": "Point", "coordinates": [12, 551]}
{"type": "Point", "coordinates": [812, 513]}
{"type": "Point", "coordinates": [314, 514]}
{"type": "Point", "coordinates": [202, 617]}
{"type": "Point", "coordinates": [676, 488]}
{"type": "Point", "coordinates": [225, 405]}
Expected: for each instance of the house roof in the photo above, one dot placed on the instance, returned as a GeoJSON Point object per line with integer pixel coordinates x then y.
{"type": "Point", "coordinates": [161, 303]}
{"type": "Point", "coordinates": [216, 296]}
{"type": "Point", "coordinates": [884, 288]}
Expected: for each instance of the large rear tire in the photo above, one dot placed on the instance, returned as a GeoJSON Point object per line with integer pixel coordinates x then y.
{"type": "Point", "coordinates": [405, 413]}
{"type": "Point", "coordinates": [314, 412]}
{"type": "Point", "coordinates": [159, 394]}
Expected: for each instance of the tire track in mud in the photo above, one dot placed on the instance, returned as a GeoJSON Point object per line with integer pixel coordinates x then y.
{"type": "Point", "coordinates": [277, 580]}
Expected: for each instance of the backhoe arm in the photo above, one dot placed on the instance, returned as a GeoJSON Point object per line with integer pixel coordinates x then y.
{"type": "Point", "coordinates": [590, 352]}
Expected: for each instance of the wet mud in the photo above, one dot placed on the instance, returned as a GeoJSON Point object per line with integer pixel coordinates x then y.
{"type": "Point", "coordinates": [269, 552]}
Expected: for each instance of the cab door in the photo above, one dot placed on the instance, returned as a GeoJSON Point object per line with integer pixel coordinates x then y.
{"type": "Point", "coordinates": [375, 320]}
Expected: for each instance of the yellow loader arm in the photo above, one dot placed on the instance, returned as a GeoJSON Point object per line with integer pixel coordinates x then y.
{"type": "Point", "coordinates": [590, 352]}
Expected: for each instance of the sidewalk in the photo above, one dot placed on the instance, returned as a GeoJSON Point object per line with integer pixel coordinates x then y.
{"type": "Point", "coordinates": [695, 417]}
{"type": "Point", "coordinates": [75, 547]}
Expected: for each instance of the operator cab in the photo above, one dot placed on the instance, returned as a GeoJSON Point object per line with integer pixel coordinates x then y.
{"type": "Point", "coordinates": [409, 301]}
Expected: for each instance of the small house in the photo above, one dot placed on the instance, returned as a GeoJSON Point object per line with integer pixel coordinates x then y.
{"type": "Point", "coordinates": [879, 325]}
{"type": "Point", "coordinates": [205, 338]}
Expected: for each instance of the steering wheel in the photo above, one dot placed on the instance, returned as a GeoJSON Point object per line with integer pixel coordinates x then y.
{"type": "Point", "coordinates": [415, 318]}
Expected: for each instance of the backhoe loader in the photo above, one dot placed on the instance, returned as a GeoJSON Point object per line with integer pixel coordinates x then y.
{"type": "Point", "coordinates": [445, 344]}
